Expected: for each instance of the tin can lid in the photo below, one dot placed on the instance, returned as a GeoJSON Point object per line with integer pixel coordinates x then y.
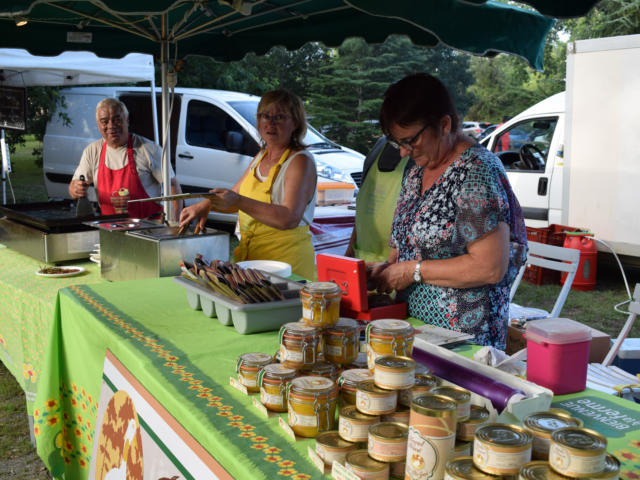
{"type": "Point", "coordinates": [425, 380]}
{"type": "Point", "coordinates": [611, 467]}
{"type": "Point", "coordinates": [539, 470]}
{"type": "Point", "coordinates": [504, 434]}
{"type": "Point", "coordinates": [547, 422]}
{"type": "Point", "coordinates": [401, 363]}
{"type": "Point", "coordinates": [477, 414]}
{"type": "Point", "coordinates": [460, 395]}
{"type": "Point", "coordinates": [580, 439]}
{"type": "Point", "coordinates": [370, 387]}
{"type": "Point", "coordinates": [352, 413]}
{"type": "Point", "coordinates": [462, 468]}
{"type": "Point", "coordinates": [361, 460]}
{"type": "Point", "coordinates": [434, 405]}
{"type": "Point", "coordinates": [312, 385]}
{"type": "Point", "coordinates": [390, 430]}
{"type": "Point", "coordinates": [321, 288]}
{"type": "Point", "coordinates": [333, 439]}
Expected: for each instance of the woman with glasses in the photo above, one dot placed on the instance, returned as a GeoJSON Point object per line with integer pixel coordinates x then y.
{"type": "Point", "coordinates": [458, 236]}
{"type": "Point", "coordinates": [275, 197]}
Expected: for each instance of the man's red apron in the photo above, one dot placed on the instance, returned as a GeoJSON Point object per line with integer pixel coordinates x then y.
{"type": "Point", "coordinates": [115, 187]}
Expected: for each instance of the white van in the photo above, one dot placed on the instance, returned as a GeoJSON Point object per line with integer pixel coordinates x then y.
{"type": "Point", "coordinates": [213, 138]}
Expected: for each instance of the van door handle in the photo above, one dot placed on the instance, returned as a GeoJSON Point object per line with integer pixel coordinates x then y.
{"type": "Point", "coordinates": [543, 182]}
{"type": "Point", "coordinates": [186, 155]}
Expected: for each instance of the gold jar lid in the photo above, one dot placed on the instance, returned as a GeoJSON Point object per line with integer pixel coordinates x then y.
{"type": "Point", "coordinates": [404, 364]}
{"type": "Point", "coordinates": [462, 468]}
{"type": "Point", "coordinates": [425, 379]}
{"type": "Point", "coordinates": [323, 289]}
{"type": "Point", "coordinates": [353, 414]}
{"type": "Point", "coordinates": [544, 423]}
{"type": "Point", "coordinates": [539, 470]}
{"type": "Point", "coordinates": [361, 460]}
{"type": "Point", "coordinates": [312, 385]}
{"type": "Point", "coordinates": [503, 434]}
{"type": "Point", "coordinates": [343, 327]}
{"type": "Point", "coordinates": [459, 394]}
{"type": "Point", "coordinates": [580, 439]}
{"type": "Point", "coordinates": [434, 405]}
{"type": "Point", "coordinates": [253, 360]}
{"type": "Point", "coordinates": [369, 386]}
{"type": "Point", "coordinates": [394, 432]}
{"type": "Point", "coordinates": [389, 327]}
{"type": "Point", "coordinates": [332, 439]}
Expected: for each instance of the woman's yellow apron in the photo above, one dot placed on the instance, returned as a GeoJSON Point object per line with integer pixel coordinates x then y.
{"type": "Point", "coordinates": [261, 242]}
{"type": "Point", "coordinates": [375, 207]}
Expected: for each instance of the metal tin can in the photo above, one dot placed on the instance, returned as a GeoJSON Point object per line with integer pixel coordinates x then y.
{"type": "Point", "coordinates": [330, 447]}
{"type": "Point", "coordinates": [373, 400]}
{"type": "Point", "coordinates": [432, 436]}
{"type": "Point", "coordinates": [342, 341]}
{"type": "Point", "coordinates": [388, 442]}
{"type": "Point", "coordinates": [272, 381]}
{"type": "Point", "coordinates": [397, 469]}
{"type": "Point", "coordinates": [320, 304]}
{"type": "Point", "coordinates": [478, 416]}
{"type": "Point", "coordinates": [354, 425]}
{"type": "Point", "coordinates": [248, 366]}
{"type": "Point", "coordinates": [299, 345]}
{"type": "Point", "coordinates": [541, 425]}
{"type": "Point", "coordinates": [611, 469]}
{"type": "Point", "coordinates": [577, 452]}
{"type": "Point", "coordinates": [462, 397]}
{"type": "Point", "coordinates": [394, 373]}
{"type": "Point", "coordinates": [501, 449]}
{"type": "Point", "coordinates": [348, 382]}
{"type": "Point", "coordinates": [388, 337]}
{"type": "Point", "coordinates": [401, 415]}
{"type": "Point", "coordinates": [312, 405]}
{"type": "Point", "coordinates": [423, 384]}
{"type": "Point", "coordinates": [539, 470]}
{"type": "Point", "coordinates": [462, 468]}
{"type": "Point", "coordinates": [361, 464]}
{"type": "Point", "coordinates": [462, 449]}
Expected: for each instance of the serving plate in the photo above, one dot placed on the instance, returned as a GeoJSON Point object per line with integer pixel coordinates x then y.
{"type": "Point", "coordinates": [76, 271]}
{"type": "Point", "coordinates": [272, 267]}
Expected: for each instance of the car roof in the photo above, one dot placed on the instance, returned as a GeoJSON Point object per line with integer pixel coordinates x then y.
{"type": "Point", "coordinates": [224, 95]}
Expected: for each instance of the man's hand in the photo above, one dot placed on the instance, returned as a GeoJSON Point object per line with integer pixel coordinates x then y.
{"type": "Point", "coordinates": [78, 188]}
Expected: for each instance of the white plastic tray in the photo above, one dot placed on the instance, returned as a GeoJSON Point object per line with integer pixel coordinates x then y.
{"type": "Point", "coordinates": [251, 317]}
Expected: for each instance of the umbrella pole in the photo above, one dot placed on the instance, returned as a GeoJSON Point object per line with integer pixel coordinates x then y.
{"type": "Point", "coordinates": [166, 128]}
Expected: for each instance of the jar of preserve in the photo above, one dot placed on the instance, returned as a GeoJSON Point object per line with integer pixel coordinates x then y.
{"type": "Point", "coordinates": [273, 380]}
{"type": "Point", "coordinates": [342, 341]}
{"type": "Point", "coordinates": [299, 345]}
{"type": "Point", "coordinates": [348, 383]}
{"type": "Point", "coordinates": [388, 337]}
{"type": "Point", "coordinates": [312, 405]}
{"type": "Point", "coordinates": [320, 304]}
{"type": "Point", "coordinates": [323, 369]}
{"type": "Point", "coordinates": [248, 366]}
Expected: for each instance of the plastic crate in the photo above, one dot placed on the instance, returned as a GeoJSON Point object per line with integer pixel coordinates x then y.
{"type": "Point", "coordinates": [551, 235]}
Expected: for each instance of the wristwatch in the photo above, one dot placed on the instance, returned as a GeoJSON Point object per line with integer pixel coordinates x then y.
{"type": "Point", "coordinates": [416, 273]}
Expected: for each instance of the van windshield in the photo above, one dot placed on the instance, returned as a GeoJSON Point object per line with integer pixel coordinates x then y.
{"type": "Point", "coordinates": [313, 138]}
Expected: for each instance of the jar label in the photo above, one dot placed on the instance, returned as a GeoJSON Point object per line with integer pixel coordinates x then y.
{"type": "Point", "coordinates": [427, 456]}
{"type": "Point", "coordinates": [271, 399]}
{"type": "Point", "coordinates": [247, 381]}
{"type": "Point", "coordinates": [485, 456]}
{"type": "Point", "coordinates": [566, 463]}
{"type": "Point", "coordinates": [290, 355]}
{"type": "Point", "coordinates": [295, 419]}
{"type": "Point", "coordinates": [333, 350]}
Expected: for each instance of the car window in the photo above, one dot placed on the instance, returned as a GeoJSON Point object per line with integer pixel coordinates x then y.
{"type": "Point", "coordinates": [207, 126]}
{"type": "Point", "coordinates": [535, 135]}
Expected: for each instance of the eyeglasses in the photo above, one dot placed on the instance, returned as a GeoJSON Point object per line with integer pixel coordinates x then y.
{"type": "Point", "coordinates": [406, 144]}
{"type": "Point", "coordinates": [276, 118]}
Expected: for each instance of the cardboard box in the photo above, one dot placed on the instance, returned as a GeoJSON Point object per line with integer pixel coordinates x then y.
{"type": "Point", "coordinates": [515, 340]}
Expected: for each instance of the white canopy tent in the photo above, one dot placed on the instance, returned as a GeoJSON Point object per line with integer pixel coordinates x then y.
{"type": "Point", "coordinates": [18, 68]}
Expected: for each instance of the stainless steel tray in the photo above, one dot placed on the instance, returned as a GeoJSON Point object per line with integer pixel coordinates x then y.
{"type": "Point", "coordinates": [252, 317]}
{"type": "Point", "coordinates": [128, 224]}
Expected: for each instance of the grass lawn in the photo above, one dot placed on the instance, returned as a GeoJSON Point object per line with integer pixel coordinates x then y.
{"type": "Point", "coordinates": [18, 458]}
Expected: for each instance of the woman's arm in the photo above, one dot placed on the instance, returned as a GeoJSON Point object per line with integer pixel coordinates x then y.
{"type": "Point", "coordinates": [485, 263]}
{"type": "Point", "coordinates": [299, 187]}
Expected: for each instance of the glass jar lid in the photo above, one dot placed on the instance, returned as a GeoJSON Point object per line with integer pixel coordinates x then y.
{"type": "Point", "coordinates": [321, 288]}
{"type": "Point", "coordinates": [313, 385]}
{"type": "Point", "coordinates": [253, 359]}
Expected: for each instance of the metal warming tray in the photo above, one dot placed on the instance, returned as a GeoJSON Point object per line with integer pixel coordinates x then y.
{"type": "Point", "coordinates": [49, 231]}
{"type": "Point", "coordinates": [155, 251]}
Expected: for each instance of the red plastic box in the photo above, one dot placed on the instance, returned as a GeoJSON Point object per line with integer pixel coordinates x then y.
{"type": "Point", "coordinates": [558, 354]}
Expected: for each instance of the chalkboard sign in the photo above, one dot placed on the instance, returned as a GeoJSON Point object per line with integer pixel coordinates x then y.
{"type": "Point", "coordinates": [13, 108]}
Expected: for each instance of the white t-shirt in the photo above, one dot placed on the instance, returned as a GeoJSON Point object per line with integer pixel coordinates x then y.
{"type": "Point", "coordinates": [147, 156]}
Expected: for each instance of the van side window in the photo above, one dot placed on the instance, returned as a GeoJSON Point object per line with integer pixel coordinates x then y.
{"type": "Point", "coordinates": [525, 146]}
{"type": "Point", "coordinates": [208, 126]}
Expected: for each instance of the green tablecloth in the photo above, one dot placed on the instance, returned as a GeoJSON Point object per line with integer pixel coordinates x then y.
{"type": "Point", "coordinates": [27, 303]}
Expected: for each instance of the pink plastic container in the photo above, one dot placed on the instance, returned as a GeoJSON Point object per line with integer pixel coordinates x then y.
{"type": "Point", "coordinates": [558, 354]}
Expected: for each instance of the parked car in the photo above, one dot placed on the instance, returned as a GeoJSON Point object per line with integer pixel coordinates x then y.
{"type": "Point", "coordinates": [213, 138]}
{"type": "Point", "coordinates": [487, 131]}
{"type": "Point", "coordinates": [474, 128]}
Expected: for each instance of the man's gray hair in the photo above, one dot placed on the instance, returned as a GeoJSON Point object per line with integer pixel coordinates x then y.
{"type": "Point", "coordinates": [111, 102]}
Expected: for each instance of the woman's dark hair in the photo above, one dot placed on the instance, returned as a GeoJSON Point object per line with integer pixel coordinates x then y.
{"type": "Point", "coordinates": [417, 98]}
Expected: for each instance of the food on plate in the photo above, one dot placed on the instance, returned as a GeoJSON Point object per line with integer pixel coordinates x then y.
{"type": "Point", "coordinates": [58, 270]}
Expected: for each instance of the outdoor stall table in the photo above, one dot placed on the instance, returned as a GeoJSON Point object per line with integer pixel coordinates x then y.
{"type": "Point", "coordinates": [27, 303]}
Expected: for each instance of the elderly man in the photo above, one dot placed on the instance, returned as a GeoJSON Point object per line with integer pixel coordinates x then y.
{"type": "Point", "coordinates": [122, 166]}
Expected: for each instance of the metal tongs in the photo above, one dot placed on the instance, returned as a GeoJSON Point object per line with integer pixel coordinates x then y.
{"type": "Point", "coordinates": [185, 228]}
{"type": "Point", "coordinates": [179, 196]}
